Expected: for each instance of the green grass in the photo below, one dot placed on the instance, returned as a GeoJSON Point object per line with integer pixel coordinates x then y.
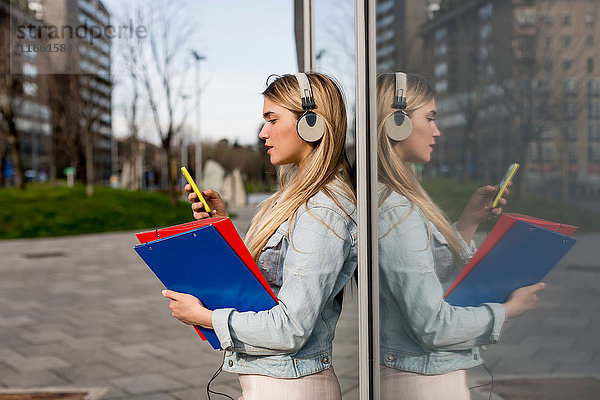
{"type": "Point", "coordinates": [452, 197]}
{"type": "Point", "coordinates": [44, 210]}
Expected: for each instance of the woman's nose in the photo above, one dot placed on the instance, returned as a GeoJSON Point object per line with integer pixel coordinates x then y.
{"type": "Point", "coordinates": [263, 132]}
{"type": "Point", "coordinates": [436, 131]}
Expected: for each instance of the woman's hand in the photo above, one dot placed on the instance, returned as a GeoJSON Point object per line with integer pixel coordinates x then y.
{"type": "Point", "coordinates": [478, 210]}
{"type": "Point", "coordinates": [188, 309]}
{"type": "Point", "coordinates": [522, 300]}
{"type": "Point", "coordinates": [214, 200]}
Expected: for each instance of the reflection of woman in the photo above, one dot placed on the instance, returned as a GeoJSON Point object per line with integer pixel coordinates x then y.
{"type": "Point", "coordinates": [303, 238]}
{"type": "Point", "coordinates": [426, 344]}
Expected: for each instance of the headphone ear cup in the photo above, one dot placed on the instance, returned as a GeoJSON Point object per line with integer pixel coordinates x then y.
{"type": "Point", "coordinates": [397, 126]}
{"type": "Point", "coordinates": [310, 127]}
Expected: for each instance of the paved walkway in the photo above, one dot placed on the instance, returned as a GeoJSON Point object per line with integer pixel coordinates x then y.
{"type": "Point", "coordinates": [85, 312]}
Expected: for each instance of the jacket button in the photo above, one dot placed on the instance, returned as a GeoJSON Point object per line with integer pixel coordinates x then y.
{"type": "Point", "coordinates": [390, 357]}
{"type": "Point", "coordinates": [325, 360]}
{"type": "Point", "coordinates": [230, 363]}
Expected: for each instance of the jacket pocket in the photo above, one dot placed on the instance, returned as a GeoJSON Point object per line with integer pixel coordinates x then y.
{"type": "Point", "coordinates": [270, 260]}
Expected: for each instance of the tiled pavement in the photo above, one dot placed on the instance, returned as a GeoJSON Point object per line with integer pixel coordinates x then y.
{"type": "Point", "coordinates": [85, 312]}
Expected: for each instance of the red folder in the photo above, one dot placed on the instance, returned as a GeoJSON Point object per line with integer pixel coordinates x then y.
{"type": "Point", "coordinates": [505, 222]}
{"type": "Point", "coordinates": [226, 229]}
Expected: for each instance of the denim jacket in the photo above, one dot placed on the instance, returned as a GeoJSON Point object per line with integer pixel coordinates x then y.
{"type": "Point", "coordinates": [306, 271]}
{"type": "Point", "coordinates": [419, 331]}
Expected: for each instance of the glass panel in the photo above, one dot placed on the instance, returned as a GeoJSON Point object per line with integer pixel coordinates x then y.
{"type": "Point", "coordinates": [334, 56]}
{"type": "Point", "coordinates": [505, 82]}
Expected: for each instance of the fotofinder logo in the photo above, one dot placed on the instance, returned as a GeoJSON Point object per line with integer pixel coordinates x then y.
{"type": "Point", "coordinates": [66, 37]}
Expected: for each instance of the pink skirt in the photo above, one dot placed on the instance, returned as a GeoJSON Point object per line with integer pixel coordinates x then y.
{"type": "Point", "coordinates": [402, 385]}
{"type": "Point", "coordinates": [323, 385]}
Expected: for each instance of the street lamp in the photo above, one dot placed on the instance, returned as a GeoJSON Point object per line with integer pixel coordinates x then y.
{"type": "Point", "coordinates": [198, 148]}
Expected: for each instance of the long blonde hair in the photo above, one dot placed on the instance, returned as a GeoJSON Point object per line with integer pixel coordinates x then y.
{"type": "Point", "coordinates": [325, 169]}
{"type": "Point", "coordinates": [397, 175]}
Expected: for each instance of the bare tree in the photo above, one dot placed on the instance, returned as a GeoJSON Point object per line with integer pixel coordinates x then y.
{"type": "Point", "coordinates": [161, 74]}
{"type": "Point", "coordinates": [11, 92]}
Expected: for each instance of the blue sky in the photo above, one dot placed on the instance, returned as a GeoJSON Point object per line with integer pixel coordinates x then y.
{"type": "Point", "coordinates": [243, 42]}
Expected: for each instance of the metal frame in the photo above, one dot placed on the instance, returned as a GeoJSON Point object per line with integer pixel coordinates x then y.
{"type": "Point", "coordinates": [366, 166]}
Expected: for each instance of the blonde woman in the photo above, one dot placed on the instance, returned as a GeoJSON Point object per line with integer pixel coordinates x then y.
{"type": "Point", "coordinates": [426, 344]}
{"type": "Point", "coordinates": [303, 239]}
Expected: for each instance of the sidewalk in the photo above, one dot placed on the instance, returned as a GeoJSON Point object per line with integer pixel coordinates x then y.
{"type": "Point", "coordinates": [85, 312]}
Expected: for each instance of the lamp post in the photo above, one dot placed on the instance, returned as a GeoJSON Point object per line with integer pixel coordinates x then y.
{"type": "Point", "coordinates": [198, 147]}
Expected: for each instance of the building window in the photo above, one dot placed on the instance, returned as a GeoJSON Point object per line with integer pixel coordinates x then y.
{"type": "Point", "coordinates": [441, 86]}
{"type": "Point", "coordinates": [546, 18]}
{"type": "Point", "coordinates": [526, 18]}
{"type": "Point", "coordinates": [485, 11]}
{"type": "Point", "coordinates": [547, 152]}
{"type": "Point", "coordinates": [485, 31]}
{"type": "Point", "coordinates": [546, 132]}
{"type": "Point", "coordinates": [567, 63]}
{"type": "Point", "coordinates": [570, 110]}
{"type": "Point", "coordinates": [30, 70]}
{"type": "Point", "coordinates": [567, 19]}
{"type": "Point", "coordinates": [594, 153]}
{"type": "Point", "coordinates": [594, 132]}
{"type": "Point", "coordinates": [593, 87]}
{"type": "Point", "coordinates": [548, 63]}
{"type": "Point", "coordinates": [589, 41]}
{"type": "Point", "coordinates": [589, 19]}
{"type": "Point", "coordinates": [30, 89]}
{"type": "Point", "coordinates": [441, 50]}
{"type": "Point", "coordinates": [441, 33]}
{"type": "Point", "coordinates": [566, 39]}
{"type": "Point", "coordinates": [570, 86]}
{"type": "Point", "coordinates": [572, 153]}
{"type": "Point", "coordinates": [590, 65]}
{"type": "Point", "coordinates": [547, 41]}
{"type": "Point", "coordinates": [570, 131]}
{"type": "Point", "coordinates": [440, 69]}
{"type": "Point", "coordinates": [594, 109]}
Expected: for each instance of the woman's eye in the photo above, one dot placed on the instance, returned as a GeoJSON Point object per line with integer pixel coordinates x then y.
{"type": "Point", "coordinates": [431, 119]}
{"type": "Point", "coordinates": [272, 121]}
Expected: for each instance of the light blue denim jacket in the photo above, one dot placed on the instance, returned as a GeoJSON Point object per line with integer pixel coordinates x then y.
{"type": "Point", "coordinates": [419, 331]}
{"type": "Point", "coordinates": [306, 273]}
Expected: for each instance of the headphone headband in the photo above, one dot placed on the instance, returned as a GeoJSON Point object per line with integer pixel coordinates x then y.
{"type": "Point", "coordinates": [308, 101]}
{"type": "Point", "coordinates": [398, 125]}
{"type": "Point", "coordinates": [400, 91]}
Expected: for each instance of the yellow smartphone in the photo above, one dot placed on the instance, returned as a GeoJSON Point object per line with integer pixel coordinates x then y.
{"type": "Point", "coordinates": [508, 175]}
{"type": "Point", "coordinates": [189, 179]}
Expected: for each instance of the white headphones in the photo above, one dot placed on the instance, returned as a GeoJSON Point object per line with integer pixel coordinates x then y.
{"type": "Point", "coordinates": [398, 126]}
{"type": "Point", "coordinates": [310, 126]}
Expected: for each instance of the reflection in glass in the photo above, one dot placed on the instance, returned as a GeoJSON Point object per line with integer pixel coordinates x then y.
{"type": "Point", "coordinates": [335, 56]}
{"type": "Point", "coordinates": [426, 343]}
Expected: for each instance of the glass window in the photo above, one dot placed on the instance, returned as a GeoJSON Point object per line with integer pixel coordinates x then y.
{"type": "Point", "coordinates": [589, 19]}
{"type": "Point", "coordinates": [30, 89]}
{"type": "Point", "coordinates": [566, 19]}
{"type": "Point", "coordinates": [594, 109]}
{"type": "Point", "coordinates": [594, 132]}
{"type": "Point", "coordinates": [30, 70]}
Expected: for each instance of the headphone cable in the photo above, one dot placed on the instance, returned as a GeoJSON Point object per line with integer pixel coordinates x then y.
{"type": "Point", "coordinates": [490, 383]}
{"type": "Point", "coordinates": [209, 390]}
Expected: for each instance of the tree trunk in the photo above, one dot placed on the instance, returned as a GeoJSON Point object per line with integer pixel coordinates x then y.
{"type": "Point", "coordinates": [89, 163]}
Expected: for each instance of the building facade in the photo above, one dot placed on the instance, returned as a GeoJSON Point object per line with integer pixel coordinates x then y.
{"type": "Point", "coordinates": [518, 81]}
{"type": "Point", "coordinates": [65, 95]}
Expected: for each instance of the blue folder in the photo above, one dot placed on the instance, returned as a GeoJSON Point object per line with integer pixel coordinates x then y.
{"type": "Point", "coordinates": [201, 263]}
{"type": "Point", "coordinates": [522, 257]}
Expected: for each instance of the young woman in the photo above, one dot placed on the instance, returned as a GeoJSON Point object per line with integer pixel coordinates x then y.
{"type": "Point", "coordinates": [426, 344]}
{"type": "Point", "coordinates": [303, 239]}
